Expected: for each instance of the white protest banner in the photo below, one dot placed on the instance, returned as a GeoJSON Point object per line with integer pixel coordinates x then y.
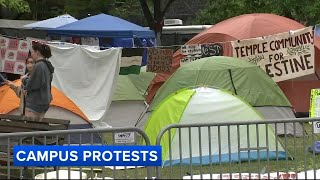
{"type": "Point", "coordinates": [188, 59]}
{"type": "Point", "coordinates": [192, 49]}
{"type": "Point", "coordinates": [282, 56]}
{"type": "Point", "coordinates": [194, 52]}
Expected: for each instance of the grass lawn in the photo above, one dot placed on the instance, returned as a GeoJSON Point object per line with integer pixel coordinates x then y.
{"type": "Point", "coordinates": [296, 147]}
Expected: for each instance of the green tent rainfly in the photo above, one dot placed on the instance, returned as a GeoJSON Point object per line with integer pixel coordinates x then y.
{"type": "Point", "coordinates": [128, 100]}
{"type": "Point", "coordinates": [132, 86]}
{"type": "Point", "coordinates": [240, 77]}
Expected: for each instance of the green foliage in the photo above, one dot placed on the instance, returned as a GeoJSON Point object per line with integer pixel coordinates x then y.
{"type": "Point", "coordinates": [44, 9]}
{"type": "Point", "coordinates": [129, 10]}
{"type": "Point", "coordinates": [305, 12]}
{"type": "Point", "coordinates": [82, 8]}
{"type": "Point", "coordinates": [20, 6]}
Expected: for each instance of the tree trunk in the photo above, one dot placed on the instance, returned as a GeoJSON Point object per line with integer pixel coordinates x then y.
{"type": "Point", "coordinates": [147, 14]}
{"type": "Point", "coordinates": [158, 38]}
{"type": "Point", "coordinates": [157, 20]}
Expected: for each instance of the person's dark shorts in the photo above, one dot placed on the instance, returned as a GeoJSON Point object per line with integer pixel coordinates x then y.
{"type": "Point", "coordinates": [38, 108]}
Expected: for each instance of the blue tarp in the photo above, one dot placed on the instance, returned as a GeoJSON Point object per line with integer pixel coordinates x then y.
{"type": "Point", "coordinates": [103, 25]}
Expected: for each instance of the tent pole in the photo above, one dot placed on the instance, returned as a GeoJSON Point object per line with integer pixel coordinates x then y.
{"type": "Point", "coordinates": [234, 88]}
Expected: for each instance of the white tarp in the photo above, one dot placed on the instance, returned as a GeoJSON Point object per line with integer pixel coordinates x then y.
{"type": "Point", "coordinates": [87, 76]}
{"type": "Point", "coordinates": [282, 56]}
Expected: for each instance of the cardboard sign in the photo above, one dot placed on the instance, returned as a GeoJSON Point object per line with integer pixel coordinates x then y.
{"type": "Point", "coordinates": [159, 60]}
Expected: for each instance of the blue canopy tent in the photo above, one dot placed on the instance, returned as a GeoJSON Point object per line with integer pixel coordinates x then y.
{"type": "Point", "coordinates": [122, 32]}
{"type": "Point", "coordinates": [51, 23]}
{"type": "Point", "coordinates": [111, 31]}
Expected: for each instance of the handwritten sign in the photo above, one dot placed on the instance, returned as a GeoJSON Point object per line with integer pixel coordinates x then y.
{"type": "Point", "coordinates": [188, 59]}
{"type": "Point", "coordinates": [184, 50]}
{"type": "Point", "coordinates": [191, 49]}
{"type": "Point", "coordinates": [208, 50]}
{"type": "Point", "coordinates": [159, 60]}
{"type": "Point", "coordinates": [194, 52]}
{"type": "Point", "coordinates": [282, 56]}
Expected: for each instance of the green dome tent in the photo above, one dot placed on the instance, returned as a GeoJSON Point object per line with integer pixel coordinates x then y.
{"type": "Point", "coordinates": [243, 78]}
{"type": "Point", "coordinates": [208, 105]}
{"type": "Point", "coordinates": [240, 77]}
{"type": "Point", "coordinates": [128, 100]}
{"type": "Point", "coordinates": [132, 86]}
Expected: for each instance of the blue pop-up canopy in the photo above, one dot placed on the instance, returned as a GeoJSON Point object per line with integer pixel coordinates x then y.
{"type": "Point", "coordinates": [52, 22]}
{"type": "Point", "coordinates": [103, 25]}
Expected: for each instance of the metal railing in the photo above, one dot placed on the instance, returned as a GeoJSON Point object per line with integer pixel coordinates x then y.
{"type": "Point", "coordinates": [109, 136]}
{"type": "Point", "coordinates": [191, 151]}
{"type": "Point", "coordinates": [238, 149]}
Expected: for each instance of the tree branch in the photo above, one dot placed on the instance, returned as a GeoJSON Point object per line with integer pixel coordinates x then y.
{"type": "Point", "coordinates": [147, 13]}
{"type": "Point", "coordinates": [157, 10]}
{"type": "Point", "coordinates": [166, 8]}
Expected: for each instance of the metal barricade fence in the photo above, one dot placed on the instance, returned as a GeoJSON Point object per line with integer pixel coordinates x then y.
{"type": "Point", "coordinates": [191, 151]}
{"type": "Point", "coordinates": [232, 150]}
{"type": "Point", "coordinates": [106, 136]}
